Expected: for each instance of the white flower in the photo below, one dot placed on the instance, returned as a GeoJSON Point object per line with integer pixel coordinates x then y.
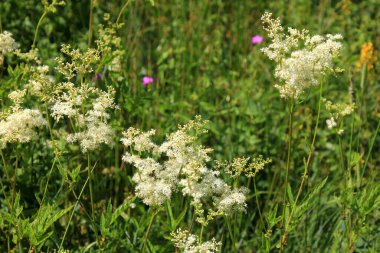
{"type": "Point", "coordinates": [93, 130]}
{"type": "Point", "coordinates": [61, 109]}
{"type": "Point", "coordinates": [93, 136]}
{"type": "Point", "coordinates": [182, 167]}
{"type": "Point", "coordinates": [189, 243]}
{"type": "Point", "coordinates": [20, 126]}
{"type": "Point", "coordinates": [17, 98]}
{"type": "Point", "coordinates": [7, 43]}
{"type": "Point", "coordinates": [140, 140]}
{"type": "Point", "coordinates": [234, 200]}
{"type": "Point", "coordinates": [331, 123]}
{"type": "Point", "coordinates": [301, 59]}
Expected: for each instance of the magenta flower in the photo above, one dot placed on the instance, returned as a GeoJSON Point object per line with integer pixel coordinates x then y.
{"type": "Point", "coordinates": [97, 76]}
{"type": "Point", "coordinates": [147, 80]}
{"type": "Point", "coordinates": [257, 39]}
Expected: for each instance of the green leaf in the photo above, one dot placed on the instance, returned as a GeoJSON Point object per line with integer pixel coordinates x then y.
{"type": "Point", "coordinates": [290, 195]}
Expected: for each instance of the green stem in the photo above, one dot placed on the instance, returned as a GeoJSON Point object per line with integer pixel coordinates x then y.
{"type": "Point", "coordinates": [370, 148]}
{"type": "Point", "coordinates": [72, 214]}
{"type": "Point", "coordinates": [37, 28]}
{"type": "Point", "coordinates": [257, 202]}
{"type": "Point", "coordinates": [91, 195]}
{"type": "Point", "coordinates": [15, 178]}
{"type": "Point", "coordinates": [148, 230]}
{"type": "Point", "coordinates": [90, 23]}
{"type": "Point", "coordinates": [5, 166]}
{"type": "Point", "coordinates": [290, 137]}
{"type": "Point", "coordinates": [1, 25]}
{"type": "Point", "coordinates": [201, 233]}
{"type": "Point", "coordinates": [3, 188]}
{"type": "Point", "coordinates": [121, 11]}
{"type": "Point", "coordinates": [284, 237]}
{"type": "Point", "coordinates": [47, 183]}
{"type": "Point", "coordinates": [347, 178]}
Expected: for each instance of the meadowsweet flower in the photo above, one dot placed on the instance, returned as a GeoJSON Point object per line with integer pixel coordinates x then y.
{"type": "Point", "coordinates": [30, 56]}
{"type": "Point", "coordinates": [257, 39]}
{"type": "Point", "coordinates": [17, 98]}
{"type": "Point", "coordinates": [301, 59]}
{"type": "Point", "coordinates": [147, 80]}
{"type": "Point", "coordinates": [80, 63]}
{"type": "Point", "coordinates": [182, 167]}
{"type": "Point", "coordinates": [243, 165]}
{"type": "Point", "coordinates": [7, 43]}
{"type": "Point", "coordinates": [94, 135]}
{"type": "Point", "coordinates": [20, 126]}
{"type": "Point", "coordinates": [140, 140]}
{"type": "Point", "coordinates": [190, 243]}
{"type": "Point", "coordinates": [40, 83]}
{"type": "Point", "coordinates": [331, 123]}
{"type": "Point", "coordinates": [337, 112]}
{"type": "Point", "coordinates": [69, 101]}
{"type": "Point", "coordinates": [233, 200]}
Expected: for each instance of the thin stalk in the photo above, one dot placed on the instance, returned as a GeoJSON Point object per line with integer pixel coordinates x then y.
{"type": "Point", "coordinates": [3, 188]}
{"type": "Point", "coordinates": [370, 148]}
{"type": "Point", "coordinates": [201, 233]}
{"type": "Point", "coordinates": [14, 178]}
{"type": "Point", "coordinates": [121, 11]}
{"type": "Point", "coordinates": [72, 214]}
{"type": "Point", "coordinates": [230, 230]}
{"type": "Point", "coordinates": [257, 202]}
{"type": "Point", "coordinates": [147, 232]}
{"type": "Point", "coordinates": [346, 215]}
{"type": "Point", "coordinates": [37, 28]}
{"type": "Point", "coordinates": [358, 179]}
{"type": "Point", "coordinates": [5, 166]}
{"type": "Point", "coordinates": [47, 183]}
{"type": "Point", "coordinates": [283, 240]}
{"type": "Point", "coordinates": [91, 21]}
{"type": "Point", "coordinates": [91, 195]}
{"type": "Point", "coordinates": [290, 138]}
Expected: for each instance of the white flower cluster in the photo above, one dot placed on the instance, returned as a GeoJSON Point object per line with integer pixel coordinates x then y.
{"type": "Point", "coordinates": [40, 83]}
{"type": "Point", "coordinates": [183, 167]}
{"type": "Point", "coordinates": [301, 59]}
{"type": "Point", "coordinates": [190, 243]}
{"type": "Point", "coordinates": [243, 165]}
{"type": "Point", "coordinates": [7, 43]}
{"type": "Point", "coordinates": [87, 113]}
{"type": "Point", "coordinates": [337, 112]}
{"type": "Point", "coordinates": [78, 64]}
{"type": "Point", "coordinates": [20, 126]}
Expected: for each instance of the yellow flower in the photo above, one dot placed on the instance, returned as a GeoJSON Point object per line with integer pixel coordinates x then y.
{"type": "Point", "coordinates": [368, 56]}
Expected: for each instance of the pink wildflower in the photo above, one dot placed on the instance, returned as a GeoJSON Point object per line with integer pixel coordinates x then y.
{"type": "Point", "coordinates": [147, 80]}
{"type": "Point", "coordinates": [97, 76]}
{"type": "Point", "coordinates": [257, 39]}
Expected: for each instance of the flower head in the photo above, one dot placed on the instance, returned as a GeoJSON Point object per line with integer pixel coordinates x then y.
{"type": "Point", "coordinates": [301, 59]}
{"type": "Point", "coordinates": [147, 80]}
{"type": "Point", "coordinates": [7, 43]}
{"type": "Point", "coordinates": [257, 39]}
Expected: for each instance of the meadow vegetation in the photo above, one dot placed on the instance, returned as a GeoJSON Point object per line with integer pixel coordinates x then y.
{"type": "Point", "coordinates": [189, 126]}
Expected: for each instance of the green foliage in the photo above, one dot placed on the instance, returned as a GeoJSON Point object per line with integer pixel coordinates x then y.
{"type": "Point", "coordinates": [54, 196]}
